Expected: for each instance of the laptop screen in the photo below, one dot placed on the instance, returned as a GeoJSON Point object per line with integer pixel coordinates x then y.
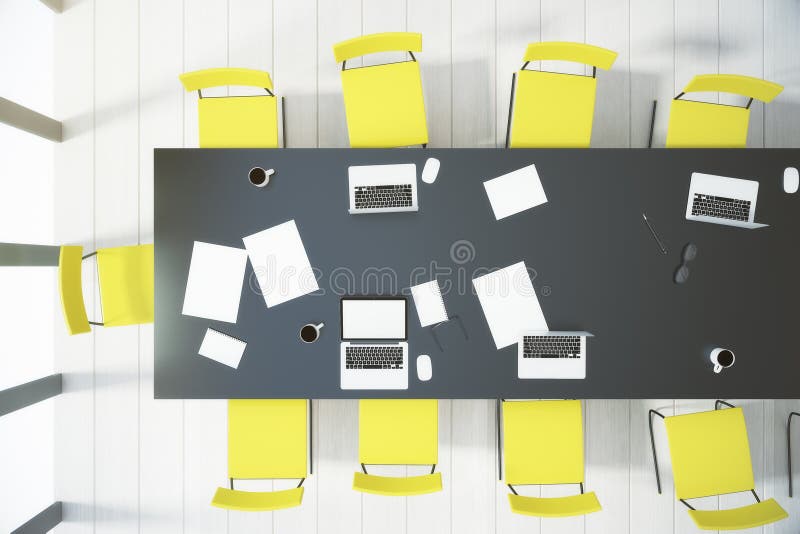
{"type": "Point", "coordinates": [373, 318]}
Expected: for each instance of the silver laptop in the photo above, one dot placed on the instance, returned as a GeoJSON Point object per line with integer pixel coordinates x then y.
{"type": "Point", "coordinates": [722, 200]}
{"type": "Point", "coordinates": [547, 354]}
{"type": "Point", "coordinates": [374, 351]}
{"type": "Point", "coordinates": [383, 188]}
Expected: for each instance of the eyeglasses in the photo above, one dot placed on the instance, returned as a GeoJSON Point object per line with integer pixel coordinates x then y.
{"type": "Point", "coordinates": [682, 272]}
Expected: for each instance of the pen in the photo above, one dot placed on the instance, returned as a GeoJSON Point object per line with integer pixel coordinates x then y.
{"type": "Point", "coordinates": [653, 233]}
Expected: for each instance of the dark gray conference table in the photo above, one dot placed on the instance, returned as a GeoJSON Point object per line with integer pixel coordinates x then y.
{"type": "Point", "coordinates": [596, 268]}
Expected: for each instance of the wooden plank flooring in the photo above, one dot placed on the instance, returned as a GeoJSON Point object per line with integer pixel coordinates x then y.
{"type": "Point", "coordinates": [128, 463]}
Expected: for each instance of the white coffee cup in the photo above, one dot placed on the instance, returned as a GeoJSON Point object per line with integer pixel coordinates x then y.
{"type": "Point", "coordinates": [722, 359]}
{"type": "Point", "coordinates": [310, 332]}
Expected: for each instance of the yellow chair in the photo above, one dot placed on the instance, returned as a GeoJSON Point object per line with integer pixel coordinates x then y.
{"type": "Point", "coordinates": [710, 456]}
{"type": "Point", "coordinates": [383, 103]}
{"type": "Point", "coordinates": [126, 279]}
{"type": "Point", "coordinates": [398, 432]}
{"type": "Point", "coordinates": [558, 459]}
{"type": "Point", "coordinates": [267, 439]}
{"type": "Point", "coordinates": [705, 125]}
{"type": "Point", "coordinates": [235, 121]}
{"type": "Point", "coordinates": [550, 109]}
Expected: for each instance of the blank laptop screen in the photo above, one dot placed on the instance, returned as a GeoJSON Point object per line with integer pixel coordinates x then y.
{"type": "Point", "coordinates": [373, 319]}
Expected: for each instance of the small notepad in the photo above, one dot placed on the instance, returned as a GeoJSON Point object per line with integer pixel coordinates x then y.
{"type": "Point", "coordinates": [222, 348]}
{"type": "Point", "coordinates": [429, 303]}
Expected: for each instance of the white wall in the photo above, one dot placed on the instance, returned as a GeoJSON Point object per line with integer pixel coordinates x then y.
{"type": "Point", "coordinates": [28, 295]}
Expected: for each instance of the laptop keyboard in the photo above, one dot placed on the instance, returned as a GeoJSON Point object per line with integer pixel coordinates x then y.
{"type": "Point", "coordinates": [383, 196]}
{"type": "Point", "coordinates": [551, 346]}
{"type": "Point", "coordinates": [367, 357]}
{"type": "Point", "coordinates": [721, 207]}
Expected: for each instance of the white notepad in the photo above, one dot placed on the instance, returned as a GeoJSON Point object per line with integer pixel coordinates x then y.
{"type": "Point", "coordinates": [509, 303]}
{"type": "Point", "coordinates": [214, 285]}
{"type": "Point", "coordinates": [280, 263]}
{"type": "Point", "coordinates": [514, 192]}
{"type": "Point", "coordinates": [222, 348]}
{"type": "Point", "coordinates": [429, 303]}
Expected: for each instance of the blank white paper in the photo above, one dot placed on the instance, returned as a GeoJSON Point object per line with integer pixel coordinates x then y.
{"type": "Point", "coordinates": [214, 286]}
{"type": "Point", "coordinates": [222, 348]}
{"type": "Point", "coordinates": [510, 304]}
{"type": "Point", "coordinates": [514, 192]}
{"type": "Point", "coordinates": [280, 263]}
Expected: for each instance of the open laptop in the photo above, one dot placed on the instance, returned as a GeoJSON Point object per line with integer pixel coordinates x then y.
{"type": "Point", "coordinates": [548, 354]}
{"type": "Point", "coordinates": [374, 351]}
{"type": "Point", "coordinates": [722, 200]}
{"type": "Point", "coordinates": [383, 188]}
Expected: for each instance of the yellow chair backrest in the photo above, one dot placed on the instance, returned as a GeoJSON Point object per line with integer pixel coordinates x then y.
{"type": "Point", "coordinates": [710, 453]}
{"type": "Point", "coordinates": [257, 501]}
{"type": "Point", "coordinates": [384, 104]}
{"type": "Point", "coordinates": [551, 109]}
{"type": "Point", "coordinates": [267, 439]}
{"type": "Point", "coordinates": [235, 121]}
{"type": "Point", "coordinates": [398, 431]}
{"type": "Point", "coordinates": [70, 288]}
{"type": "Point", "coordinates": [708, 125]}
{"type": "Point", "coordinates": [126, 284]}
{"type": "Point", "coordinates": [530, 459]}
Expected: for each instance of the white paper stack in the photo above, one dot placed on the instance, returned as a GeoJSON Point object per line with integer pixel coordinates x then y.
{"type": "Point", "coordinates": [214, 286]}
{"type": "Point", "coordinates": [510, 304]}
{"type": "Point", "coordinates": [280, 263]}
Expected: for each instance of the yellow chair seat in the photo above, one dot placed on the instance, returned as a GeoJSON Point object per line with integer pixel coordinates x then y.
{"type": "Point", "coordinates": [238, 122]}
{"type": "Point", "coordinates": [751, 516]}
{"type": "Point", "coordinates": [397, 486]}
{"type": "Point", "coordinates": [257, 501]}
{"type": "Point", "coordinates": [126, 284]}
{"type": "Point", "coordinates": [703, 125]}
{"type": "Point", "coordinates": [384, 105]}
{"type": "Point", "coordinates": [552, 110]}
{"type": "Point", "coordinates": [581, 504]}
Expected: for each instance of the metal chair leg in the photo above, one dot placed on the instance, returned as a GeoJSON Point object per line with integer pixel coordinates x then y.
{"type": "Point", "coordinates": [652, 124]}
{"type": "Point", "coordinates": [718, 402]}
{"type": "Point", "coordinates": [789, 448]}
{"type": "Point", "coordinates": [499, 448]}
{"type": "Point", "coordinates": [510, 108]}
{"type": "Point", "coordinates": [653, 445]}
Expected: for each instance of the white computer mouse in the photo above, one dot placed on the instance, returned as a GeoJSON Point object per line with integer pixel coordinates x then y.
{"type": "Point", "coordinates": [424, 369]}
{"type": "Point", "coordinates": [791, 180]}
{"type": "Point", "coordinates": [430, 171]}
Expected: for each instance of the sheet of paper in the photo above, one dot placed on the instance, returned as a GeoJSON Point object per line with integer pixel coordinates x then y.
{"type": "Point", "coordinates": [509, 303]}
{"type": "Point", "coordinates": [514, 192]}
{"type": "Point", "coordinates": [280, 263]}
{"type": "Point", "coordinates": [429, 303]}
{"type": "Point", "coordinates": [222, 348]}
{"type": "Point", "coordinates": [214, 285]}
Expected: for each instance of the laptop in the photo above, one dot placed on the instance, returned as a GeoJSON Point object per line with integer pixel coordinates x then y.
{"type": "Point", "coordinates": [722, 200]}
{"type": "Point", "coordinates": [374, 351]}
{"type": "Point", "coordinates": [383, 188]}
{"type": "Point", "coordinates": [547, 354]}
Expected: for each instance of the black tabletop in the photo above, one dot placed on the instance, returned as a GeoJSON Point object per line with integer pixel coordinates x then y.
{"type": "Point", "coordinates": [594, 265]}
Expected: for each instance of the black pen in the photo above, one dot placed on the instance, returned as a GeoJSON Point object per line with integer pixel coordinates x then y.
{"type": "Point", "coordinates": [653, 233]}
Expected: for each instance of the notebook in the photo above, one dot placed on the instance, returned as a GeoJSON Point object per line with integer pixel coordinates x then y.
{"type": "Point", "coordinates": [429, 303]}
{"type": "Point", "coordinates": [280, 263]}
{"type": "Point", "coordinates": [514, 192]}
{"type": "Point", "coordinates": [222, 348]}
{"type": "Point", "coordinates": [214, 285]}
{"type": "Point", "coordinates": [509, 303]}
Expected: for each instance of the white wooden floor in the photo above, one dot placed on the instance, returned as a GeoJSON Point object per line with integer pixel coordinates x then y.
{"type": "Point", "coordinates": [127, 463]}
